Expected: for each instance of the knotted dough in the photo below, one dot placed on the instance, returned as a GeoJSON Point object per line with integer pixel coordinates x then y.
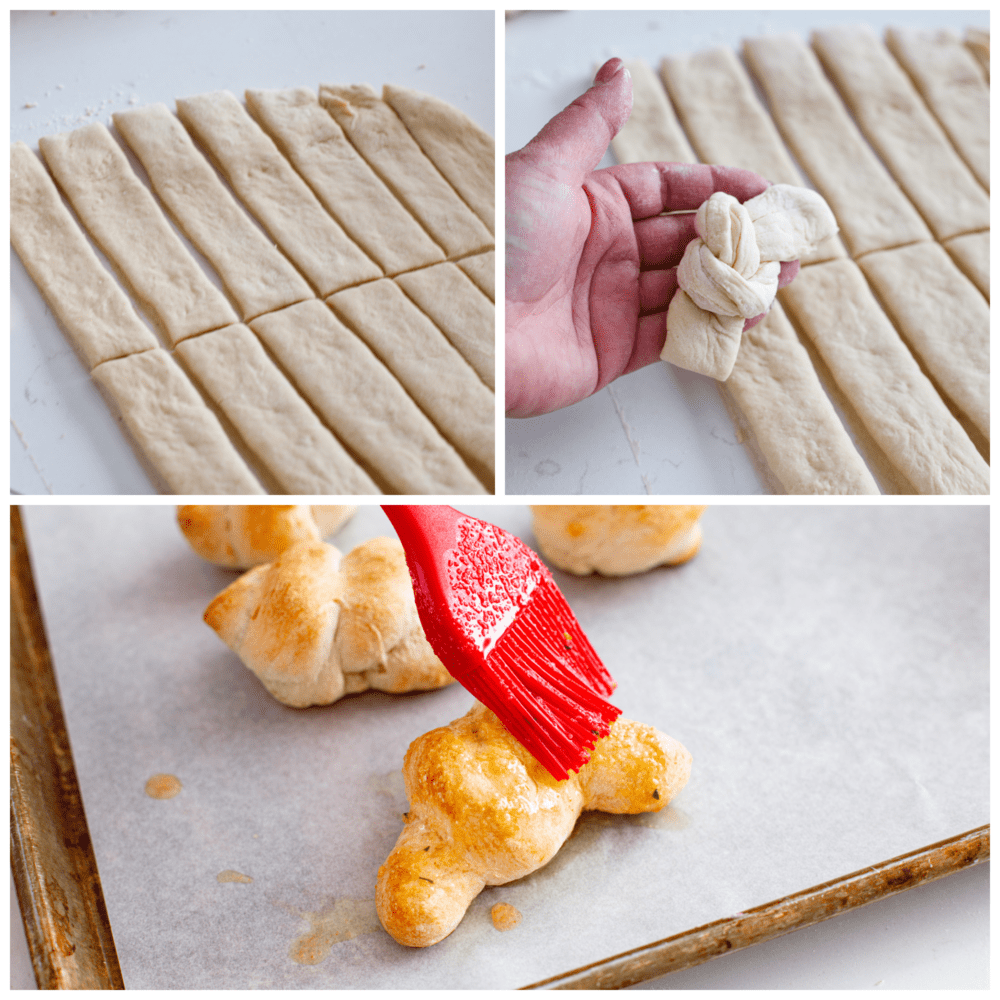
{"type": "Point", "coordinates": [729, 273]}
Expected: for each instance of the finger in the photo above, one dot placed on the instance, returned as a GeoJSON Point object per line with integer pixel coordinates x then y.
{"type": "Point", "coordinates": [789, 272]}
{"type": "Point", "coordinates": [653, 188]}
{"type": "Point", "coordinates": [656, 289]}
{"type": "Point", "coordinates": [663, 239]}
{"type": "Point", "coordinates": [651, 332]}
{"type": "Point", "coordinates": [574, 142]}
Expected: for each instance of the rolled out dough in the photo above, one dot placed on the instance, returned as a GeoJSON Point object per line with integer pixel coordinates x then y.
{"type": "Point", "coordinates": [652, 132]}
{"type": "Point", "coordinates": [481, 268]}
{"type": "Point", "coordinates": [972, 254]}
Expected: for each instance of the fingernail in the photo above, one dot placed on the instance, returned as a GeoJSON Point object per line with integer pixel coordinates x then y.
{"type": "Point", "coordinates": [609, 71]}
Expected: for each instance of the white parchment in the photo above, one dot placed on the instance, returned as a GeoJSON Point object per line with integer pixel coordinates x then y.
{"type": "Point", "coordinates": [826, 666]}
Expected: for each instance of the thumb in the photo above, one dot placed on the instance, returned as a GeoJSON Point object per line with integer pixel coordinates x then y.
{"type": "Point", "coordinates": [578, 137]}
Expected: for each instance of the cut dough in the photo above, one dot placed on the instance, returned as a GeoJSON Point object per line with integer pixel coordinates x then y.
{"type": "Point", "coordinates": [831, 302]}
{"type": "Point", "coordinates": [454, 143]}
{"type": "Point", "coordinates": [440, 380]}
{"type": "Point", "coordinates": [972, 254]}
{"type": "Point", "coordinates": [726, 123]}
{"type": "Point", "coordinates": [362, 402]}
{"type": "Point", "coordinates": [273, 420]}
{"type": "Point", "coordinates": [904, 133]}
{"type": "Point", "coordinates": [652, 132]}
{"type": "Point", "coordinates": [349, 188]}
{"type": "Point", "coordinates": [281, 201]}
{"type": "Point", "coordinates": [978, 42]}
{"type": "Point", "coordinates": [616, 540]}
{"type": "Point", "coordinates": [943, 318]}
{"type": "Point", "coordinates": [797, 429]}
{"type": "Point", "coordinates": [481, 267]}
{"type": "Point", "coordinates": [314, 627]}
{"type": "Point", "coordinates": [947, 76]}
{"type": "Point", "coordinates": [127, 224]}
{"type": "Point", "coordinates": [381, 138]}
{"type": "Point", "coordinates": [170, 422]}
{"type": "Point", "coordinates": [95, 313]}
{"type": "Point", "coordinates": [873, 213]}
{"type": "Point", "coordinates": [461, 311]}
{"type": "Point", "coordinates": [257, 277]}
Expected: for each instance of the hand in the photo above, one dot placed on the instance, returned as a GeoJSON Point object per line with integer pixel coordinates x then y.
{"type": "Point", "coordinates": [591, 261]}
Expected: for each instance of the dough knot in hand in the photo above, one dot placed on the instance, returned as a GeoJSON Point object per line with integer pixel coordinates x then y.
{"type": "Point", "coordinates": [729, 273]}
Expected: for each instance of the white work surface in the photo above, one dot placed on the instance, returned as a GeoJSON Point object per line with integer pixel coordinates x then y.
{"type": "Point", "coordinates": [77, 67]}
{"type": "Point", "coordinates": [661, 430]}
{"type": "Point", "coordinates": [826, 666]}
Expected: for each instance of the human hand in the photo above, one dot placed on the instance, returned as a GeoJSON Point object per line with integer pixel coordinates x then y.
{"type": "Point", "coordinates": [591, 261]}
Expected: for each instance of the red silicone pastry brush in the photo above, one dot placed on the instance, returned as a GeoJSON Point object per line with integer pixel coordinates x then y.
{"type": "Point", "coordinates": [493, 614]}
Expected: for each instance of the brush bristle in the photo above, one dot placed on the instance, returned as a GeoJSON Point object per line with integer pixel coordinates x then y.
{"type": "Point", "coordinates": [544, 681]}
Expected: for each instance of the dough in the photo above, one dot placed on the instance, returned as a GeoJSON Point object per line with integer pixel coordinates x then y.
{"type": "Point", "coordinates": [257, 277]}
{"type": "Point", "coordinates": [95, 313]}
{"type": "Point", "coordinates": [616, 541]}
{"type": "Point", "coordinates": [460, 310]}
{"type": "Point", "coordinates": [240, 536]}
{"type": "Point", "coordinates": [381, 138]}
{"type": "Point", "coordinates": [484, 812]}
{"type": "Point", "coordinates": [942, 317]}
{"type": "Point", "coordinates": [481, 267]}
{"type": "Point", "coordinates": [796, 427]}
{"type": "Point", "coordinates": [126, 223]}
{"type": "Point", "coordinates": [832, 304]}
{"type": "Point", "coordinates": [454, 143]}
{"type": "Point", "coordinates": [978, 42]}
{"type": "Point", "coordinates": [948, 77]}
{"type": "Point", "coordinates": [274, 421]}
{"type": "Point", "coordinates": [652, 132]}
{"type": "Point", "coordinates": [872, 212]}
{"type": "Point", "coordinates": [972, 254]}
{"type": "Point", "coordinates": [904, 133]}
{"type": "Point", "coordinates": [362, 402]}
{"type": "Point", "coordinates": [176, 431]}
{"type": "Point", "coordinates": [279, 199]}
{"type": "Point", "coordinates": [349, 189]}
{"type": "Point", "coordinates": [314, 627]}
{"type": "Point", "coordinates": [726, 123]}
{"type": "Point", "coordinates": [438, 378]}
{"type": "Point", "coordinates": [730, 272]}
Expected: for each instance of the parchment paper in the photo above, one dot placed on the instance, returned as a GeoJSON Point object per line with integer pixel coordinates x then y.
{"type": "Point", "coordinates": [826, 666]}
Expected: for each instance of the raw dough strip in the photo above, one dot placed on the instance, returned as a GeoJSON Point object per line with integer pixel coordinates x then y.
{"type": "Point", "coordinates": [270, 416]}
{"type": "Point", "coordinates": [439, 379]}
{"type": "Point", "coordinates": [178, 433]}
{"type": "Point", "coordinates": [257, 277]}
{"type": "Point", "coordinates": [977, 40]}
{"type": "Point", "coordinates": [95, 313]}
{"type": "Point", "coordinates": [381, 138]}
{"type": "Point", "coordinates": [460, 310]}
{"type": "Point", "coordinates": [128, 226]}
{"type": "Point", "coordinates": [726, 123]}
{"type": "Point", "coordinates": [873, 213]}
{"type": "Point", "coordinates": [972, 254]}
{"type": "Point", "coordinates": [349, 189]}
{"type": "Point", "coordinates": [281, 201]}
{"type": "Point", "coordinates": [796, 427]}
{"type": "Point", "coordinates": [362, 402]}
{"type": "Point", "coordinates": [832, 304]}
{"type": "Point", "coordinates": [946, 74]}
{"type": "Point", "coordinates": [652, 132]}
{"type": "Point", "coordinates": [454, 143]}
{"type": "Point", "coordinates": [897, 123]}
{"type": "Point", "coordinates": [943, 318]}
{"type": "Point", "coordinates": [481, 268]}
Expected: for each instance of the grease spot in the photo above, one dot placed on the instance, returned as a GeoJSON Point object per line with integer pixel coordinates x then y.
{"type": "Point", "coordinates": [163, 786]}
{"type": "Point", "coordinates": [230, 876]}
{"type": "Point", "coordinates": [548, 468]}
{"type": "Point", "coordinates": [505, 917]}
{"type": "Point", "coordinates": [346, 919]}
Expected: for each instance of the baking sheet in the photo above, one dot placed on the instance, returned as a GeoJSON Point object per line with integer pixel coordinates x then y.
{"type": "Point", "coordinates": [660, 430]}
{"type": "Point", "coordinates": [72, 68]}
{"type": "Point", "coordinates": [826, 666]}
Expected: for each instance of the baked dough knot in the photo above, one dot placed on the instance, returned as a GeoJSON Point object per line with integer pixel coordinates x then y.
{"type": "Point", "coordinates": [484, 812]}
{"type": "Point", "coordinates": [729, 273]}
{"type": "Point", "coordinates": [314, 626]}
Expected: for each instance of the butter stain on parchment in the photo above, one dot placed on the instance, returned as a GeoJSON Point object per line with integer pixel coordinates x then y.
{"type": "Point", "coordinates": [346, 919]}
{"type": "Point", "coordinates": [232, 876]}
{"type": "Point", "coordinates": [163, 786]}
